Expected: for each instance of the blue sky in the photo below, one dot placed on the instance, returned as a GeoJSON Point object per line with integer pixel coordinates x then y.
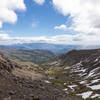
{"type": "Point", "coordinates": [52, 21]}
{"type": "Point", "coordinates": [37, 20]}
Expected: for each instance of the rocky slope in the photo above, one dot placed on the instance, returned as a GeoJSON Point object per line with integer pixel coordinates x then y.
{"type": "Point", "coordinates": [17, 83]}
{"type": "Point", "coordinates": [79, 73]}
{"type": "Point", "coordinates": [74, 56]}
{"type": "Point", "coordinates": [6, 64]}
{"type": "Point", "coordinates": [72, 76]}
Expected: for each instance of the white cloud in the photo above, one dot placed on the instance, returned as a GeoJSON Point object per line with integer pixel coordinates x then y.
{"type": "Point", "coordinates": [7, 10]}
{"type": "Point", "coordinates": [85, 15]}
{"type": "Point", "coordinates": [61, 27]}
{"type": "Point", "coordinates": [4, 36]}
{"type": "Point", "coordinates": [69, 39]}
{"type": "Point", "coordinates": [40, 2]}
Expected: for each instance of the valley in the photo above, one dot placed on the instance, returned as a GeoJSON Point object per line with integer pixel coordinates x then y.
{"type": "Point", "coordinates": [34, 56]}
{"type": "Point", "coordinates": [71, 76]}
{"type": "Point", "coordinates": [49, 49]}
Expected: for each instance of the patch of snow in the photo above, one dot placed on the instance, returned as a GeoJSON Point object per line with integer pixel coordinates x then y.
{"type": "Point", "coordinates": [97, 59]}
{"type": "Point", "coordinates": [67, 68]}
{"type": "Point", "coordinates": [46, 81]}
{"type": "Point", "coordinates": [72, 86]}
{"type": "Point", "coordinates": [79, 64]}
{"type": "Point", "coordinates": [92, 72]}
{"type": "Point", "coordinates": [65, 83]}
{"type": "Point", "coordinates": [81, 74]}
{"type": "Point", "coordinates": [85, 95]}
{"type": "Point", "coordinates": [65, 89]}
{"type": "Point", "coordinates": [54, 63]}
{"type": "Point", "coordinates": [81, 70]}
{"type": "Point", "coordinates": [96, 95]}
{"type": "Point", "coordinates": [95, 74]}
{"type": "Point", "coordinates": [94, 81]}
{"type": "Point", "coordinates": [83, 82]}
{"type": "Point", "coordinates": [95, 87]}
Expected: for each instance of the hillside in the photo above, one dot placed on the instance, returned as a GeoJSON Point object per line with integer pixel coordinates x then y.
{"type": "Point", "coordinates": [34, 56]}
{"type": "Point", "coordinates": [75, 56]}
{"type": "Point", "coordinates": [74, 75]}
{"type": "Point", "coordinates": [17, 83]}
{"type": "Point", "coordinates": [79, 72]}
{"type": "Point", "coordinates": [6, 64]}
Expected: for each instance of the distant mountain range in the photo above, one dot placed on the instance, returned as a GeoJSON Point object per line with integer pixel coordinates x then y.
{"type": "Point", "coordinates": [55, 48]}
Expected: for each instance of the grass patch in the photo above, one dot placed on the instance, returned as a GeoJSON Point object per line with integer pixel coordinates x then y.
{"type": "Point", "coordinates": [57, 82]}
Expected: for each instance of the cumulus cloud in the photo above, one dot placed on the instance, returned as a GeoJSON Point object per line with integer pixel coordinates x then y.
{"type": "Point", "coordinates": [7, 10]}
{"type": "Point", "coordinates": [40, 2]}
{"type": "Point", "coordinates": [61, 27]}
{"type": "Point", "coordinates": [85, 15]}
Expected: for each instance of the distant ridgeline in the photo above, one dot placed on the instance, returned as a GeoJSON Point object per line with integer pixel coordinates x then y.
{"type": "Point", "coordinates": [55, 48]}
{"type": "Point", "coordinates": [34, 56]}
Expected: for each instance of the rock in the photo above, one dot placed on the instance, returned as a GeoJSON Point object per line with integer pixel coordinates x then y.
{"type": "Point", "coordinates": [65, 84]}
{"type": "Point", "coordinates": [42, 88]}
{"type": "Point", "coordinates": [12, 92]}
{"type": "Point", "coordinates": [31, 95]}
{"type": "Point", "coordinates": [31, 86]}
{"type": "Point", "coordinates": [0, 91]}
{"type": "Point", "coordinates": [36, 98]}
{"type": "Point", "coordinates": [9, 98]}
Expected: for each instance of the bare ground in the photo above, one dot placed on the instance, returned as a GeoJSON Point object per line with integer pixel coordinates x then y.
{"type": "Point", "coordinates": [25, 85]}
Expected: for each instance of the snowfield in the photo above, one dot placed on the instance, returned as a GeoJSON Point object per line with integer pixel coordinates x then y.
{"type": "Point", "coordinates": [72, 87]}
{"type": "Point", "coordinates": [92, 73]}
{"type": "Point", "coordinates": [95, 87]}
{"type": "Point", "coordinates": [96, 95]}
{"type": "Point", "coordinates": [95, 81]}
{"type": "Point", "coordinates": [85, 95]}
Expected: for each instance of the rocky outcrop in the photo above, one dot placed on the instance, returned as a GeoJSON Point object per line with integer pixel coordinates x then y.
{"type": "Point", "coordinates": [6, 64]}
